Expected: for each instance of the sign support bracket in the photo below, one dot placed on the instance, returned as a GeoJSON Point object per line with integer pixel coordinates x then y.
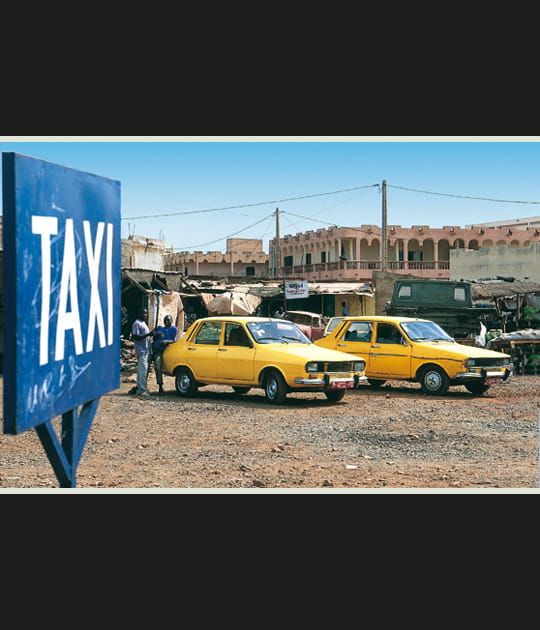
{"type": "Point", "coordinates": [65, 456]}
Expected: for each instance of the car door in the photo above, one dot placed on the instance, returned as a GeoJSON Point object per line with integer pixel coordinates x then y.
{"type": "Point", "coordinates": [202, 350]}
{"type": "Point", "coordinates": [355, 338]}
{"type": "Point", "coordinates": [236, 356]}
{"type": "Point", "coordinates": [390, 354]}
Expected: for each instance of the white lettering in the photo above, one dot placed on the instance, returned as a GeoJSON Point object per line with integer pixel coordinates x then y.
{"type": "Point", "coordinates": [46, 227]}
{"type": "Point", "coordinates": [67, 304]}
{"type": "Point", "coordinates": [96, 314]}
{"type": "Point", "coordinates": [68, 320]}
{"type": "Point", "coordinates": [110, 305]}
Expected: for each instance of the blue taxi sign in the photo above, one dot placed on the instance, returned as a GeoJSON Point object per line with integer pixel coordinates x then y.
{"type": "Point", "coordinates": [62, 288]}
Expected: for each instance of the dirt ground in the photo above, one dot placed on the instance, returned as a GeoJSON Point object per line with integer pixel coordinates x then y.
{"type": "Point", "coordinates": [393, 438]}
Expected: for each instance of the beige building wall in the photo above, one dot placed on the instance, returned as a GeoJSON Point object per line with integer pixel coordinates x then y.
{"type": "Point", "coordinates": [139, 252]}
{"type": "Point", "coordinates": [519, 262]}
{"type": "Point", "coordinates": [354, 254]}
{"type": "Point", "coordinates": [243, 258]}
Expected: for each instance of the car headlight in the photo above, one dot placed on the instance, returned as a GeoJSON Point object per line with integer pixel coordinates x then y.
{"type": "Point", "coordinates": [359, 366]}
{"type": "Point", "coordinates": [470, 363]}
{"type": "Point", "coordinates": [312, 367]}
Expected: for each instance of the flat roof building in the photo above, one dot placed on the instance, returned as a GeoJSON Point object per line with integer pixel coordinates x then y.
{"type": "Point", "coordinates": [354, 253]}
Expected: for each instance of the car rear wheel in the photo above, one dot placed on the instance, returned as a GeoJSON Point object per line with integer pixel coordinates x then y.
{"type": "Point", "coordinates": [275, 388]}
{"type": "Point", "coordinates": [434, 381]}
{"type": "Point", "coordinates": [186, 385]}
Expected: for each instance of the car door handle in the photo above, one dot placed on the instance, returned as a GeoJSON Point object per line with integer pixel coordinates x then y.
{"type": "Point", "coordinates": [223, 350]}
{"type": "Point", "coordinates": [376, 347]}
{"type": "Point", "coordinates": [342, 345]}
{"type": "Point", "coordinates": [192, 349]}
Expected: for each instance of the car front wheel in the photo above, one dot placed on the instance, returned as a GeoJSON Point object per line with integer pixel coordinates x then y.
{"type": "Point", "coordinates": [336, 395]}
{"type": "Point", "coordinates": [435, 381]}
{"type": "Point", "coordinates": [477, 388]}
{"type": "Point", "coordinates": [275, 388]}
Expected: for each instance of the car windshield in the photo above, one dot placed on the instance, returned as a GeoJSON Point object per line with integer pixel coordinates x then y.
{"type": "Point", "coordinates": [333, 324]}
{"type": "Point", "coordinates": [425, 331]}
{"type": "Point", "coordinates": [277, 332]}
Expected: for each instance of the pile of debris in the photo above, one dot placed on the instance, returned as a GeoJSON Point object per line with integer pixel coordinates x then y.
{"type": "Point", "coordinates": [524, 348]}
{"type": "Point", "coordinates": [128, 359]}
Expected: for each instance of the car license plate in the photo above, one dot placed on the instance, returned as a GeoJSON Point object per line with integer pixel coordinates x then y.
{"type": "Point", "coordinates": [342, 385]}
{"type": "Point", "coordinates": [493, 381]}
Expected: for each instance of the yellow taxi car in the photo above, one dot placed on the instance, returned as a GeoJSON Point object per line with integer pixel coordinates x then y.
{"type": "Point", "coordinates": [252, 352]}
{"type": "Point", "coordinates": [400, 348]}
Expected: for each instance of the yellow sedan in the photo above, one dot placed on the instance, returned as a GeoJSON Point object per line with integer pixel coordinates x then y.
{"type": "Point", "coordinates": [400, 348]}
{"type": "Point", "coordinates": [252, 352]}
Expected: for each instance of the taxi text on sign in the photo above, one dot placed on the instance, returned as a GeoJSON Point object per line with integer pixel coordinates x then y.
{"type": "Point", "coordinates": [62, 258]}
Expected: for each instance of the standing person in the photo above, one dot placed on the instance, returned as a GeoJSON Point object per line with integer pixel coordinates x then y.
{"type": "Point", "coordinates": [163, 337]}
{"type": "Point", "coordinates": [141, 336]}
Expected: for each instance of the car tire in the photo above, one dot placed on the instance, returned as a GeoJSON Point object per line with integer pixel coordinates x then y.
{"type": "Point", "coordinates": [434, 381]}
{"type": "Point", "coordinates": [477, 388]}
{"type": "Point", "coordinates": [275, 388]}
{"type": "Point", "coordinates": [186, 386]}
{"type": "Point", "coordinates": [241, 390]}
{"type": "Point", "coordinates": [335, 396]}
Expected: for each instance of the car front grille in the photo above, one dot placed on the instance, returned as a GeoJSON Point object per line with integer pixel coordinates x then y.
{"type": "Point", "coordinates": [490, 363]}
{"type": "Point", "coordinates": [335, 366]}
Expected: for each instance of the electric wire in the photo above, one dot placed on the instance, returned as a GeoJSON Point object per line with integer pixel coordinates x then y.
{"type": "Point", "coordinates": [219, 240]}
{"type": "Point", "coordinates": [249, 205]}
{"type": "Point", "coordinates": [427, 192]}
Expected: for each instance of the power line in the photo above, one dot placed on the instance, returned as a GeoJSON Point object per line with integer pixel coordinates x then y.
{"type": "Point", "coordinates": [353, 229]}
{"type": "Point", "coordinates": [219, 240]}
{"type": "Point", "coordinates": [427, 192]}
{"type": "Point", "coordinates": [324, 194]}
{"type": "Point", "coordinates": [249, 205]}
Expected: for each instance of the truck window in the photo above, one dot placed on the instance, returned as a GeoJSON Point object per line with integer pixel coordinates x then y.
{"type": "Point", "coordinates": [405, 292]}
{"type": "Point", "coordinates": [460, 295]}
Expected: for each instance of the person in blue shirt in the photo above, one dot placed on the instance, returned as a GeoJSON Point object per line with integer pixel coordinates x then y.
{"type": "Point", "coordinates": [163, 337]}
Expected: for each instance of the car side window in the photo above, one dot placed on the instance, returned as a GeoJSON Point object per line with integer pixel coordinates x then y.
{"type": "Point", "coordinates": [235, 335]}
{"type": "Point", "coordinates": [389, 334]}
{"type": "Point", "coordinates": [209, 335]}
{"type": "Point", "coordinates": [360, 332]}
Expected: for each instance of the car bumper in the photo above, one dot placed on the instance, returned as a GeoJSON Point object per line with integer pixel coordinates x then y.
{"type": "Point", "coordinates": [328, 382]}
{"type": "Point", "coordinates": [484, 375]}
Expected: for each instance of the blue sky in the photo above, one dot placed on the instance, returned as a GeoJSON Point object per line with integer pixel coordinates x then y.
{"type": "Point", "coordinates": [170, 177]}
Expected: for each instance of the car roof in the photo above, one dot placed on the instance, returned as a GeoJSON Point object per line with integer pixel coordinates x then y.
{"type": "Point", "coordinates": [310, 313]}
{"type": "Point", "coordinates": [385, 318]}
{"type": "Point", "coordinates": [239, 319]}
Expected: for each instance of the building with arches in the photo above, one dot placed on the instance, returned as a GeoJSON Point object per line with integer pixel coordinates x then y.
{"type": "Point", "coordinates": [354, 254]}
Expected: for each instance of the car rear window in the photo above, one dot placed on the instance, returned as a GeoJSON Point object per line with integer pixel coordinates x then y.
{"type": "Point", "coordinates": [209, 335]}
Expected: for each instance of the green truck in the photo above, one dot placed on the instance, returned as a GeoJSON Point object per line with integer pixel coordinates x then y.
{"type": "Point", "coordinates": [447, 303]}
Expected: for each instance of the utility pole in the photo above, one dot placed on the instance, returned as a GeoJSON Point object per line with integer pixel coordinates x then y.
{"type": "Point", "coordinates": [384, 247]}
{"type": "Point", "coordinates": [278, 257]}
{"type": "Point", "coordinates": [277, 249]}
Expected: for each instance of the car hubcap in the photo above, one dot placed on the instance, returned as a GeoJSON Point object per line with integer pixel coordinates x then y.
{"type": "Point", "coordinates": [272, 388]}
{"type": "Point", "coordinates": [433, 381]}
{"type": "Point", "coordinates": [183, 383]}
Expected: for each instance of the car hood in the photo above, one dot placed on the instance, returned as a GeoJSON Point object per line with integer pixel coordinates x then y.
{"type": "Point", "coordinates": [462, 351]}
{"type": "Point", "coordinates": [311, 352]}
